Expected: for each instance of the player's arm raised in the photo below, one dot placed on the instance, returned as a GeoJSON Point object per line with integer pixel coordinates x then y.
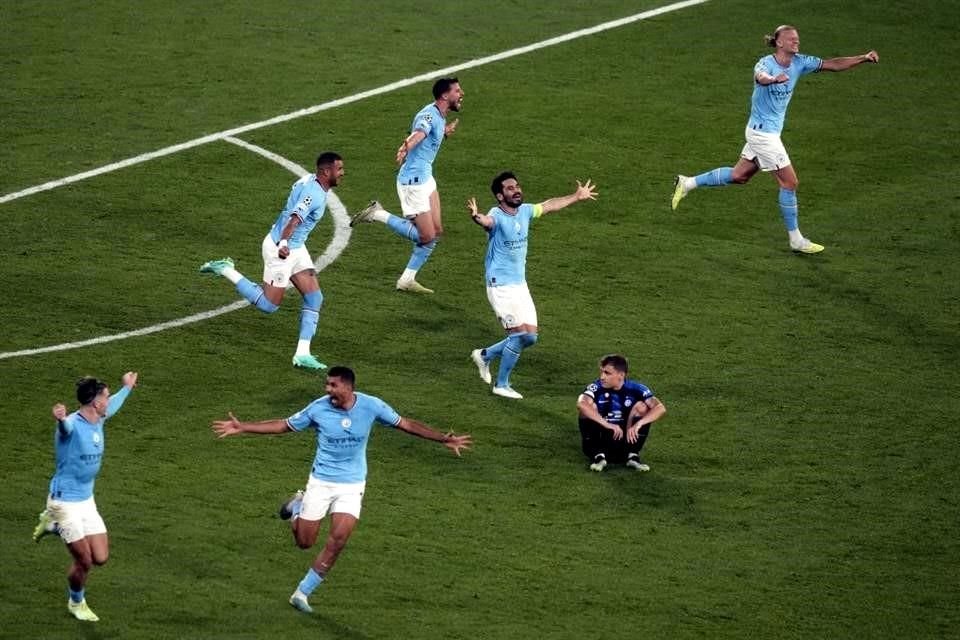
{"type": "Point", "coordinates": [483, 220]}
{"type": "Point", "coordinates": [585, 191]}
{"type": "Point", "coordinates": [842, 64]}
{"type": "Point", "coordinates": [231, 426]}
{"type": "Point", "coordinates": [450, 440]}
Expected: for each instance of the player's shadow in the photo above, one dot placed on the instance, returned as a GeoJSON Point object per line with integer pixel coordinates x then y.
{"type": "Point", "coordinates": [331, 627]}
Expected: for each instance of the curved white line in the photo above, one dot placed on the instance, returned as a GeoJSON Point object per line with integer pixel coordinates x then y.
{"type": "Point", "coordinates": [341, 237]}
{"type": "Point", "coordinates": [393, 86]}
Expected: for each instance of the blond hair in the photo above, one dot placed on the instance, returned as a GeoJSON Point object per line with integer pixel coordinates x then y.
{"type": "Point", "coordinates": [771, 40]}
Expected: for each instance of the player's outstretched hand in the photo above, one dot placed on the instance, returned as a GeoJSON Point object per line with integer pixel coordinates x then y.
{"type": "Point", "coordinates": [458, 443]}
{"type": "Point", "coordinates": [586, 191]}
{"type": "Point", "coordinates": [59, 411]}
{"type": "Point", "coordinates": [472, 207]}
{"type": "Point", "coordinates": [224, 428]}
{"type": "Point", "coordinates": [130, 379]}
{"type": "Point", "coordinates": [872, 56]}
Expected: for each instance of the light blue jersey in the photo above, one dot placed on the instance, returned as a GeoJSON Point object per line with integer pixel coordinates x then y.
{"type": "Point", "coordinates": [342, 436]}
{"type": "Point", "coordinates": [768, 106]}
{"type": "Point", "coordinates": [506, 261]}
{"type": "Point", "coordinates": [308, 201]}
{"type": "Point", "coordinates": [79, 447]}
{"type": "Point", "coordinates": [417, 167]}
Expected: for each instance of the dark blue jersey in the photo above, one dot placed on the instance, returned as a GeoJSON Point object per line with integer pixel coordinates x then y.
{"type": "Point", "coordinates": [615, 404]}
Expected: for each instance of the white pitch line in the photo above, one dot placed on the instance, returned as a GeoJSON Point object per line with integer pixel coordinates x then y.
{"type": "Point", "coordinates": [341, 219]}
{"type": "Point", "coordinates": [393, 86]}
{"type": "Point", "coordinates": [341, 236]}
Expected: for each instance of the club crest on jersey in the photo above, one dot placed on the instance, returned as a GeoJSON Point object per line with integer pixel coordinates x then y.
{"type": "Point", "coordinates": [517, 227]}
{"type": "Point", "coordinates": [346, 423]}
{"type": "Point", "coordinates": [628, 402]}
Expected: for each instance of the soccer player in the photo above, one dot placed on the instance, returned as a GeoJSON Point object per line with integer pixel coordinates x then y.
{"type": "Point", "coordinates": [71, 510]}
{"type": "Point", "coordinates": [416, 187]}
{"type": "Point", "coordinates": [774, 77]}
{"type": "Point", "coordinates": [343, 419]}
{"type": "Point", "coordinates": [507, 226]}
{"type": "Point", "coordinates": [285, 256]}
{"type": "Point", "coordinates": [615, 416]}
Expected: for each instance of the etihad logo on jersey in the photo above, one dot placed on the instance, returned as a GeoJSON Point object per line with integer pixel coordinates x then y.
{"type": "Point", "coordinates": [346, 423]}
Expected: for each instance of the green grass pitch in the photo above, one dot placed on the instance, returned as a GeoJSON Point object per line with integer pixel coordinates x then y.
{"type": "Point", "coordinates": [804, 480]}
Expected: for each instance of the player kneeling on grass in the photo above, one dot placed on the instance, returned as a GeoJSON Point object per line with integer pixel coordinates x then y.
{"type": "Point", "coordinates": [286, 259]}
{"type": "Point", "coordinates": [615, 416]}
{"type": "Point", "coordinates": [71, 511]}
{"type": "Point", "coordinates": [343, 419]}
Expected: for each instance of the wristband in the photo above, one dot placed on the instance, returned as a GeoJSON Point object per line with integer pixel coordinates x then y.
{"type": "Point", "coordinates": [282, 243]}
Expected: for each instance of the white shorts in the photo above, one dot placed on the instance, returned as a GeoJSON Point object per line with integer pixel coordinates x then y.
{"type": "Point", "coordinates": [76, 520]}
{"type": "Point", "coordinates": [766, 149]}
{"type": "Point", "coordinates": [277, 272]}
{"type": "Point", "coordinates": [322, 497]}
{"type": "Point", "coordinates": [513, 305]}
{"type": "Point", "coordinates": [415, 198]}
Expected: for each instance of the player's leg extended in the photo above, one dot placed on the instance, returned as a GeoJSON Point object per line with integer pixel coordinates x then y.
{"type": "Point", "coordinates": [306, 283]}
{"type": "Point", "coordinates": [82, 555]}
{"type": "Point", "coordinates": [258, 296]}
{"type": "Point", "coordinates": [429, 227]}
{"type": "Point", "coordinates": [525, 337]}
{"type": "Point", "coordinates": [305, 535]}
{"type": "Point", "coordinates": [719, 177]}
{"type": "Point", "coordinates": [341, 527]}
{"type": "Point", "coordinates": [787, 200]}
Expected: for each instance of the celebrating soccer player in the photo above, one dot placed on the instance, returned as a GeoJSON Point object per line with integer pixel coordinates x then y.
{"type": "Point", "coordinates": [343, 419]}
{"type": "Point", "coordinates": [71, 510]}
{"type": "Point", "coordinates": [774, 78]}
{"type": "Point", "coordinates": [507, 226]}
{"type": "Point", "coordinates": [285, 256]}
{"type": "Point", "coordinates": [416, 187]}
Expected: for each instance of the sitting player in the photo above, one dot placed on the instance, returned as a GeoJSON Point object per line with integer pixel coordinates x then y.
{"type": "Point", "coordinates": [615, 416]}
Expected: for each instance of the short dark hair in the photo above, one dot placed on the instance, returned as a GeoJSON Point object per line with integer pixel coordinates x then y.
{"type": "Point", "coordinates": [327, 158]}
{"type": "Point", "coordinates": [89, 388]}
{"type": "Point", "coordinates": [616, 361]}
{"type": "Point", "coordinates": [443, 85]}
{"type": "Point", "coordinates": [344, 373]}
{"type": "Point", "coordinates": [497, 185]}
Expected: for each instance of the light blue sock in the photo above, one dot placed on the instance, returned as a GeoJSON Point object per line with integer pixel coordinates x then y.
{"type": "Point", "coordinates": [254, 293]}
{"type": "Point", "coordinates": [511, 353]}
{"type": "Point", "coordinates": [310, 314]}
{"type": "Point", "coordinates": [420, 254]}
{"type": "Point", "coordinates": [788, 208]}
{"type": "Point", "coordinates": [494, 351]}
{"type": "Point", "coordinates": [403, 228]}
{"type": "Point", "coordinates": [76, 597]}
{"type": "Point", "coordinates": [716, 178]}
{"type": "Point", "coordinates": [310, 582]}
